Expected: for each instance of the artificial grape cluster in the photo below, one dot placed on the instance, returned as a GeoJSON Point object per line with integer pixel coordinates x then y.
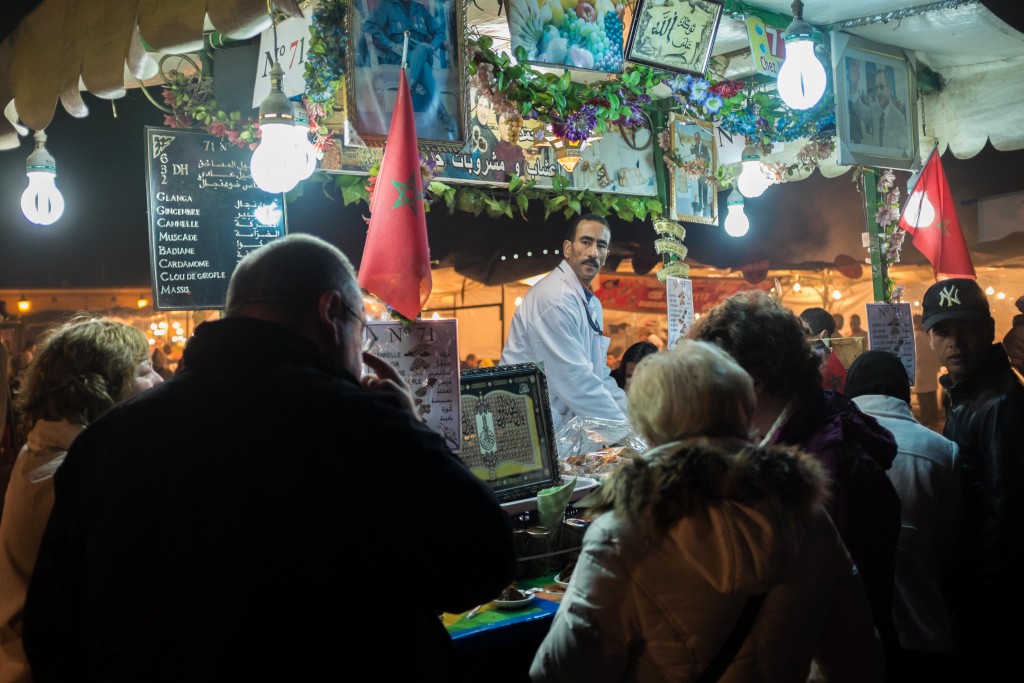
{"type": "Point", "coordinates": [605, 44]}
{"type": "Point", "coordinates": [613, 30]}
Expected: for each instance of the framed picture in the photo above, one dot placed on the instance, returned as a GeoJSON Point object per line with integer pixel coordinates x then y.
{"type": "Point", "coordinates": [676, 35]}
{"type": "Point", "coordinates": [693, 199]}
{"type": "Point", "coordinates": [435, 69]}
{"type": "Point", "coordinates": [876, 103]}
{"type": "Point", "coordinates": [508, 438]}
{"type": "Point", "coordinates": [577, 35]}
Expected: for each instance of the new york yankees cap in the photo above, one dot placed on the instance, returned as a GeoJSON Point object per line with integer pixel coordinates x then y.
{"type": "Point", "coordinates": [954, 299]}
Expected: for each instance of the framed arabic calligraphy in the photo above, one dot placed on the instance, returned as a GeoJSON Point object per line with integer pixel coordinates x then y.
{"type": "Point", "coordinates": [436, 70]}
{"type": "Point", "coordinates": [676, 35]}
{"type": "Point", "coordinates": [508, 437]}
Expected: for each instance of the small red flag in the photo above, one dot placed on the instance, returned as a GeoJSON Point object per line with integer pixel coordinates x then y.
{"type": "Point", "coordinates": [396, 259]}
{"type": "Point", "coordinates": [930, 217]}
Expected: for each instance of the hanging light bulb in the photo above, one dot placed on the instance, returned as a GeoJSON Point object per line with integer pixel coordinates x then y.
{"type": "Point", "coordinates": [24, 305]}
{"type": "Point", "coordinates": [301, 129]}
{"type": "Point", "coordinates": [42, 203]}
{"type": "Point", "coordinates": [277, 161]}
{"type": "Point", "coordinates": [752, 182]}
{"type": "Point", "coordinates": [736, 222]}
{"type": "Point", "coordinates": [802, 78]}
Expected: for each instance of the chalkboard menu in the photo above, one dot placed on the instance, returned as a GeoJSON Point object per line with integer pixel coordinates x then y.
{"type": "Point", "coordinates": [205, 214]}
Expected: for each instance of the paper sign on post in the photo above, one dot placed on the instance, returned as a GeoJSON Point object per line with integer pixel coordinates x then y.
{"type": "Point", "coordinates": [680, 308]}
{"type": "Point", "coordinates": [891, 328]}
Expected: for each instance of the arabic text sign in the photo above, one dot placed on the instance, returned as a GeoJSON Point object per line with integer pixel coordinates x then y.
{"type": "Point", "coordinates": [205, 214]}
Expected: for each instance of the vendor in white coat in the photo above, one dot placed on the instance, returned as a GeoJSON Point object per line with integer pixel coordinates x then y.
{"type": "Point", "coordinates": [560, 323]}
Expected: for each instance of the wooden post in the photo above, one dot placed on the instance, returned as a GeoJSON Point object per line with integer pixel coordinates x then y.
{"type": "Point", "coordinates": [879, 268]}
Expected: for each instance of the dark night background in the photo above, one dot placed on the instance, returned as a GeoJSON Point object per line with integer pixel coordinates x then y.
{"type": "Point", "coordinates": [101, 240]}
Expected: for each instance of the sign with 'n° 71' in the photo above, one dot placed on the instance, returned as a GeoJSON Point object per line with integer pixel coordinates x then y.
{"type": "Point", "coordinates": [291, 45]}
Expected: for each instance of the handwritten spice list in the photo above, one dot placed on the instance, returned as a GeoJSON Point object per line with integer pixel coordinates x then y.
{"type": "Point", "coordinates": [205, 215]}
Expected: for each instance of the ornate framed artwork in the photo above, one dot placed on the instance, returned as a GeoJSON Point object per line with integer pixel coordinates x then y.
{"type": "Point", "coordinates": [435, 69]}
{"type": "Point", "coordinates": [508, 438]}
{"type": "Point", "coordinates": [676, 35]}
{"type": "Point", "coordinates": [691, 198]}
{"type": "Point", "coordinates": [876, 103]}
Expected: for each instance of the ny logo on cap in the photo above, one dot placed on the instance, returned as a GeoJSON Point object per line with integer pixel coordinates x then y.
{"type": "Point", "coordinates": [949, 296]}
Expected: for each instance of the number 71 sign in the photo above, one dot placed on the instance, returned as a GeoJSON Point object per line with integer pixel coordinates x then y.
{"type": "Point", "coordinates": [292, 43]}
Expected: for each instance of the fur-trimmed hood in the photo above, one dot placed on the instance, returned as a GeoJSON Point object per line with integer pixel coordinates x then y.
{"type": "Point", "coordinates": [735, 511]}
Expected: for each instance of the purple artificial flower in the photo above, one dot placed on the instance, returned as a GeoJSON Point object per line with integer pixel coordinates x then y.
{"type": "Point", "coordinates": [580, 125]}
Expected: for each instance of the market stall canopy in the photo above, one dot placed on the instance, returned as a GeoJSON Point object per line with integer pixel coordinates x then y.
{"type": "Point", "coordinates": [62, 47]}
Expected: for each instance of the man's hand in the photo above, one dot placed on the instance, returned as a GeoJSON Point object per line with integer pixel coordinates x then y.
{"type": "Point", "coordinates": [387, 379]}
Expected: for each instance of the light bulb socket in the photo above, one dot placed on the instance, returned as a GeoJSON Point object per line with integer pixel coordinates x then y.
{"type": "Point", "coordinates": [734, 198]}
{"type": "Point", "coordinates": [276, 107]}
{"type": "Point", "coordinates": [40, 160]}
{"type": "Point", "coordinates": [750, 153]}
{"type": "Point", "coordinates": [301, 116]}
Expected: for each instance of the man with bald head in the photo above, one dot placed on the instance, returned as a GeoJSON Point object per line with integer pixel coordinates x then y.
{"type": "Point", "coordinates": [297, 522]}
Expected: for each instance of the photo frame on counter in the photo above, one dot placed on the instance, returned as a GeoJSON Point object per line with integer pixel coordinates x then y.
{"type": "Point", "coordinates": [876, 103]}
{"type": "Point", "coordinates": [436, 70]}
{"type": "Point", "coordinates": [693, 199]}
{"type": "Point", "coordinates": [508, 437]}
{"type": "Point", "coordinates": [675, 35]}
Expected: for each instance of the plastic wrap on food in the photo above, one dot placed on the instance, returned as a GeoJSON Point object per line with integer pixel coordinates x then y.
{"type": "Point", "coordinates": [595, 447]}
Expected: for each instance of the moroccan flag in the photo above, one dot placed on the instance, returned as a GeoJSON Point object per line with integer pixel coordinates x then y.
{"type": "Point", "coordinates": [930, 217]}
{"type": "Point", "coordinates": [396, 260]}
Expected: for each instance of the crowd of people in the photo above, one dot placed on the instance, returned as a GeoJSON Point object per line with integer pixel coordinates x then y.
{"type": "Point", "coordinates": [775, 530]}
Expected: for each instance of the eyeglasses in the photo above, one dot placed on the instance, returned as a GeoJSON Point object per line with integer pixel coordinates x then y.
{"type": "Point", "coordinates": [883, 86]}
{"type": "Point", "coordinates": [368, 337]}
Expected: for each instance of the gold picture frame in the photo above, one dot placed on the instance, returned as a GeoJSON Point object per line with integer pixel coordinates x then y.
{"type": "Point", "coordinates": [693, 199]}
{"type": "Point", "coordinates": [676, 35]}
{"type": "Point", "coordinates": [436, 71]}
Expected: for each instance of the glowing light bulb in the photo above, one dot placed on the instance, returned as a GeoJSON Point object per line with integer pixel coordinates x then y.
{"type": "Point", "coordinates": [1001, 295]}
{"type": "Point", "coordinates": [278, 160]}
{"type": "Point", "coordinates": [41, 202]}
{"type": "Point", "coordinates": [796, 287]}
{"type": "Point", "coordinates": [919, 212]}
{"type": "Point", "coordinates": [990, 290]}
{"type": "Point", "coordinates": [752, 182]}
{"type": "Point", "coordinates": [736, 222]}
{"type": "Point", "coordinates": [836, 294]}
{"type": "Point", "coordinates": [802, 77]}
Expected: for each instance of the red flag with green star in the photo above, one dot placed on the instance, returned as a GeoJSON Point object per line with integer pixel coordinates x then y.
{"type": "Point", "coordinates": [930, 217]}
{"type": "Point", "coordinates": [396, 259]}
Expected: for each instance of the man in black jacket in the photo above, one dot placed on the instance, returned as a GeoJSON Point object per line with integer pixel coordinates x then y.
{"type": "Point", "coordinates": [295, 522]}
{"type": "Point", "coordinates": [986, 419]}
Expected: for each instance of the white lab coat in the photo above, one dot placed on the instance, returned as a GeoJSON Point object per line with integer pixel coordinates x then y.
{"type": "Point", "coordinates": [551, 326]}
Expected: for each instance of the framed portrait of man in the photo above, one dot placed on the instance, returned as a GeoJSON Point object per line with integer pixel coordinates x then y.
{"type": "Point", "coordinates": [693, 198]}
{"type": "Point", "coordinates": [876, 103]}
{"type": "Point", "coordinates": [435, 69]}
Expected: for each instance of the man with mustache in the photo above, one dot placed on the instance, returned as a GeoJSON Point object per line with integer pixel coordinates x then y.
{"type": "Point", "coordinates": [559, 323]}
{"type": "Point", "coordinates": [986, 419]}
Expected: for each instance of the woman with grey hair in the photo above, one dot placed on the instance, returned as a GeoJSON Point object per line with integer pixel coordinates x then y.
{"type": "Point", "coordinates": [712, 558]}
{"type": "Point", "coordinates": [82, 369]}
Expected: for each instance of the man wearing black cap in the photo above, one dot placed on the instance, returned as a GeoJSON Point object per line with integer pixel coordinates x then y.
{"type": "Point", "coordinates": [986, 419]}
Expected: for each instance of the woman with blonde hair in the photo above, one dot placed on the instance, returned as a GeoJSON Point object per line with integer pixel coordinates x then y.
{"type": "Point", "coordinates": [712, 558]}
{"type": "Point", "coordinates": [82, 369]}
